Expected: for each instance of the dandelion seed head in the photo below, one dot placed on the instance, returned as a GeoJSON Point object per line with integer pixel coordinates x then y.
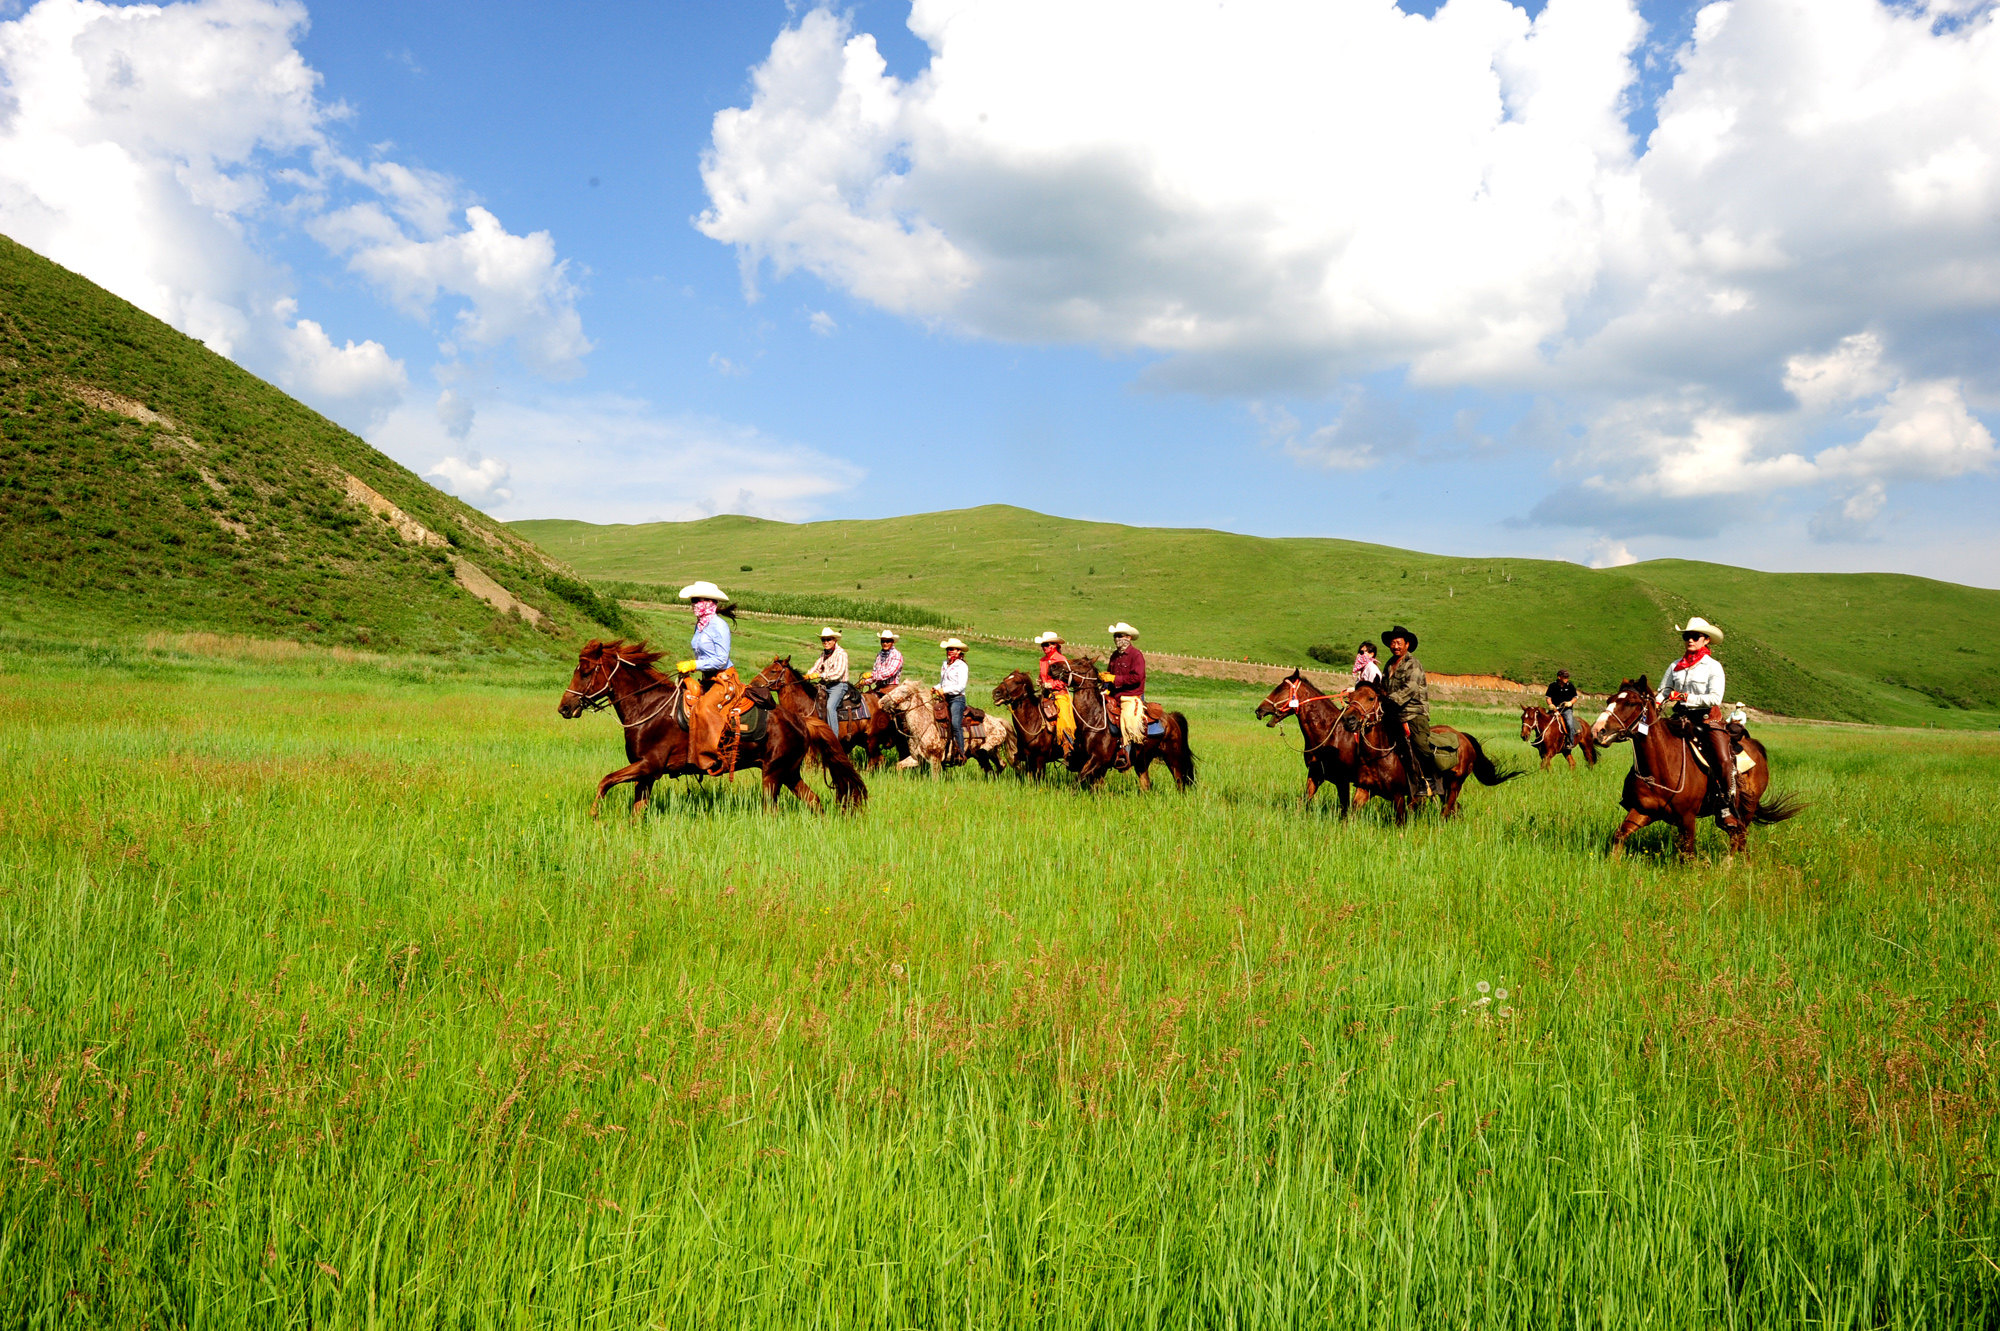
{"type": "Point", "coordinates": [1482, 986]}
{"type": "Point", "coordinates": [1500, 994]}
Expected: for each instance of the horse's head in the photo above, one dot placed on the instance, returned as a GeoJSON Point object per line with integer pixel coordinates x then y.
{"type": "Point", "coordinates": [1014, 687]}
{"type": "Point", "coordinates": [1629, 712]}
{"type": "Point", "coordinates": [591, 683]}
{"type": "Point", "coordinates": [777, 675]}
{"type": "Point", "coordinates": [1364, 710]}
{"type": "Point", "coordinates": [1080, 675]}
{"type": "Point", "coordinates": [1285, 700]}
{"type": "Point", "coordinates": [901, 697]}
{"type": "Point", "coordinates": [1531, 721]}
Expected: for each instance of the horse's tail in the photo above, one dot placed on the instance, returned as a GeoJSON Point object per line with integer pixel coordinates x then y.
{"type": "Point", "coordinates": [1588, 743]}
{"type": "Point", "coordinates": [849, 790]}
{"type": "Point", "coordinates": [1779, 809]}
{"type": "Point", "coordinates": [1179, 757]}
{"type": "Point", "coordinates": [1483, 768]}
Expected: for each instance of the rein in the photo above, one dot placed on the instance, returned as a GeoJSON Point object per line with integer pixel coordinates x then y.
{"type": "Point", "coordinates": [600, 696]}
{"type": "Point", "coordinates": [1639, 763]}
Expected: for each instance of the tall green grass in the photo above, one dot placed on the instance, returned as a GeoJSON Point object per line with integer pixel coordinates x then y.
{"type": "Point", "coordinates": [327, 1003]}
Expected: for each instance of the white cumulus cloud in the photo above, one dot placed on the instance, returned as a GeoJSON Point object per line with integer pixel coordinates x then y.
{"type": "Point", "coordinates": [1287, 197]}
{"type": "Point", "coordinates": [157, 149]}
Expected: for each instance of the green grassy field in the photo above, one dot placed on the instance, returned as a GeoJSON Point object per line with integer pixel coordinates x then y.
{"type": "Point", "coordinates": [326, 1004]}
{"type": "Point", "coordinates": [1882, 648]}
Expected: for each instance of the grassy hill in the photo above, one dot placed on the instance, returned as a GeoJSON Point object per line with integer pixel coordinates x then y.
{"type": "Point", "coordinates": [1876, 647]}
{"type": "Point", "coordinates": [148, 483]}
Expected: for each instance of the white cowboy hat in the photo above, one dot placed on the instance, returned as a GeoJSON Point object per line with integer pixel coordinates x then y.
{"type": "Point", "coordinates": [703, 591]}
{"type": "Point", "coordinates": [1042, 639]}
{"type": "Point", "coordinates": [828, 633]}
{"type": "Point", "coordinates": [887, 635]}
{"type": "Point", "coordinates": [950, 643]}
{"type": "Point", "coordinates": [1699, 625]}
{"type": "Point", "coordinates": [1121, 627]}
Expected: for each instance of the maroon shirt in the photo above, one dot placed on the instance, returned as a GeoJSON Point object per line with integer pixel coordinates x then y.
{"type": "Point", "coordinates": [1128, 673]}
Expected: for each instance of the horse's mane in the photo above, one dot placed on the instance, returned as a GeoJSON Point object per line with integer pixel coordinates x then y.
{"type": "Point", "coordinates": [632, 653]}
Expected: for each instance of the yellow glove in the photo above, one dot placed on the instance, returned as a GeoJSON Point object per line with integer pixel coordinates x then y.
{"type": "Point", "coordinates": [685, 667]}
{"type": "Point", "coordinates": [1106, 676]}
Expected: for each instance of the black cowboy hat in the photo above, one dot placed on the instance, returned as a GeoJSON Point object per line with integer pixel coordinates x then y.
{"type": "Point", "coordinates": [1400, 632]}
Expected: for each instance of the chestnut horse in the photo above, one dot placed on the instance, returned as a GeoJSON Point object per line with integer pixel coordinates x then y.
{"type": "Point", "coordinates": [876, 731]}
{"type": "Point", "coordinates": [620, 675]}
{"type": "Point", "coordinates": [1383, 770]}
{"type": "Point", "coordinates": [1036, 745]}
{"type": "Point", "coordinates": [1544, 728]}
{"type": "Point", "coordinates": [1328, 759]}
{"type": "Point", "coordinates": [1098, 745]}
{"type": "Point", "coordinates": [1666, 784]}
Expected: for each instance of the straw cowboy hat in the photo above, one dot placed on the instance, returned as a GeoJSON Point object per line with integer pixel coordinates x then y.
{"type": "Point", "coordinates": [950, 643]}
{"type": "Point", "coordinates": [1044, 639]}
{"type": "Point", "coordinates": [1400, 632]}
{"type": "Point", "coordinates": [703, 591]}
{"type": "Point", "coordinates": [1699, 625]}
{"type": "Point", "coordinates": [887, 635]}
{"type": "Point", "coordinates": [1121, 627]}
{"type": "Point", "coordinates": [824, 634]}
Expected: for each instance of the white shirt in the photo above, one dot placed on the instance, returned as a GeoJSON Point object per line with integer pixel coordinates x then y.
{"type": "Point", "coordinates": [952, 677]}
{"type": "Point", "coordinates": [1701, 682]}
{"type": "Point", "coordinates": [832, 667]}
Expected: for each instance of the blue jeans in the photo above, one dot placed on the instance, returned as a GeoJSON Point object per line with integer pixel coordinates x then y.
{"type": "Point", "coordinates": [955, 705]}
{"type": "Point", "coordinates": [834, 694]}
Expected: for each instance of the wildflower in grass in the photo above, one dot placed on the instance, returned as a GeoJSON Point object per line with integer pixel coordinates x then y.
{"type": "Point", "coordinates": [1500, 995]}
{"type": "Point", "coordinates": [1482, 986]}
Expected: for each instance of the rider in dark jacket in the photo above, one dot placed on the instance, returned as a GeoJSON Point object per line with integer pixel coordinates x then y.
{"type": "Point", "coordinates": [1561, 695]}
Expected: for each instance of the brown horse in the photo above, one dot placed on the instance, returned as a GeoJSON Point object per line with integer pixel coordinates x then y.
{"type": "Point", "coordinates": [875, 731]}
{"type": "Point", "coordinates": [1543, 727]}
{"type": "Point", "coordinates": [1383, 768]}
{"type": "Point", "coordinates": [1098, 746]}
{"type": "Point", "coordinates": [650, 707]}
{"type": "Point", "coordinates": [1328, 759]}
{"type": "Point", "coordinates": [1666, 784]}
{"type": "Point", "coordinates": [1036, 745]}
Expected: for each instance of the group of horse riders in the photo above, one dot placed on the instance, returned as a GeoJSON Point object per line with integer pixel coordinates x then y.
{"type": "Point", "coordinates": [1691, 688]}
{"type": "Point", "coordinates": [713, 686]}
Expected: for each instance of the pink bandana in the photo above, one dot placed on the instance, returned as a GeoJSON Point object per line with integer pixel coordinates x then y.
{"type": "Point", "coordinates": [703, 612]}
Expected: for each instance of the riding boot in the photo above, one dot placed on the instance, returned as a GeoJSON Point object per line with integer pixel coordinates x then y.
{"type": "Point", "coordinates": [691, 705]}
{"type": "Point", "coordinates": [1723, 753]}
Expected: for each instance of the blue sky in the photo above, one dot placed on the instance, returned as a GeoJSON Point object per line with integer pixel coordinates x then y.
{"type": "Point", "coordinates": [1413, 276]}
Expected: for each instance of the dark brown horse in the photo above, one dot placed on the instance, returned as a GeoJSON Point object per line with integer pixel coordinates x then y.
{"type": "Point", "coordinates": [1666, 784]}
{"type": "Point", "coordinates": [1384, 770]}
{"type": "Point", "coordinates": [1098, 746]}
{"type": "Point", "coordinates": [1328, 759]}
{"type": "Point", "coordinates": [649, 706]}
{"type": "Point", "coordinates": [875, 730]}
{"type": "Point", "coordinates": [1543, 727]}
{"type": "Point", "coordinates": [1036, 745]}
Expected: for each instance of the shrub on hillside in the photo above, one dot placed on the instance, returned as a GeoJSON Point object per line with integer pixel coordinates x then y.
{"type": "Point", "coordinates": [1328, 654]}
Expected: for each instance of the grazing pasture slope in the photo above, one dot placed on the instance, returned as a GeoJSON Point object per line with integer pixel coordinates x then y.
{"type": "Point", "coordinates": [1868, 647]}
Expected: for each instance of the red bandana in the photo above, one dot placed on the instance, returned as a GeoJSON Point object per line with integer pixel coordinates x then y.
{"type": "Point", "coordinates": [1693, 658]}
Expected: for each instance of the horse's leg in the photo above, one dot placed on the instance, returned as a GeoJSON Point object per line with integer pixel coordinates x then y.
{"type": "Point", "coordinates": [629, 772]}
{"type": "Point", "coordinates": [642, 793]}
{"type": "Point", "coordinates": [1633, 822]}
{"type": "Point", "coordinates": [1312, 789]}
{"type": "Point", "coordinates": [1451, 793]}
{"type": "Point", "coordinates": [1690, 823]}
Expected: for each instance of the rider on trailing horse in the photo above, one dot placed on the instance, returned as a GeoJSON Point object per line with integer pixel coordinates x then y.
{"type": "Point", "coordinates": [1406, 687]}
{"type": "Point", "coordinates": [831, 671]}
{"type": "Point", "coordinates": [712, 685]}
{"type": "Point", "coordinates": [1366, 671]}
{"type": "Point", "coordinates": [1124, 677]}
{"type": "Point", "coordinates": [1055, 686]}
{"type": "Point", "coordinates": [953, 676]}
{"type": "Point", "coordinates": [1693, 686]}
{"type": "Point", "coordinates": [887, 672]}
{"type": "Point", "coordinates": [1562, 701]}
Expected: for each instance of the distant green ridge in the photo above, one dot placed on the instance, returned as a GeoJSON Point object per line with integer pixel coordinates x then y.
{"type": "Point", "coordinates": [148, 483]}
{"type": "Point", "coordinates": [1868, 647]}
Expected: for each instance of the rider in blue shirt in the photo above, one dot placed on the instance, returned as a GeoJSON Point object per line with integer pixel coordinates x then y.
{"type": "Point", "coordinates": [706, 704]}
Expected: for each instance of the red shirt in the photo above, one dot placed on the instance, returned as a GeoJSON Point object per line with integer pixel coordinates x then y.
{"type": "Point", "coordinates": [1128, 673]}
{"type": "Point", "coordinates": [1050, 656]}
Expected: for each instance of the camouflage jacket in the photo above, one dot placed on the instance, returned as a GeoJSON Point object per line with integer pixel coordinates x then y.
{"type": "Point", "coordinates": [1404, 680]}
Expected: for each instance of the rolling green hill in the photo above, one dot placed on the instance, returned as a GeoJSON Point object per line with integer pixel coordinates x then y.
{"type": "Point", "coordinates": [148, 483]}
{"type": "Point", "coordinates": [1869, 647]}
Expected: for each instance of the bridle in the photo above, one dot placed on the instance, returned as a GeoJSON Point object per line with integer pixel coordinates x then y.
{"type": "Point", "coordinates": [1024, 701]}
{"type": "Point", "coordinates": [1638, 725]}
{"type": "Point", "coordinates": [1292, 704]}
{"type": "Point", "coordinates": [599, 696]}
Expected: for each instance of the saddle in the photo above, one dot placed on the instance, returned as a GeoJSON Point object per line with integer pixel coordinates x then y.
{"type": "Point", "coordinates": [941, 712]}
